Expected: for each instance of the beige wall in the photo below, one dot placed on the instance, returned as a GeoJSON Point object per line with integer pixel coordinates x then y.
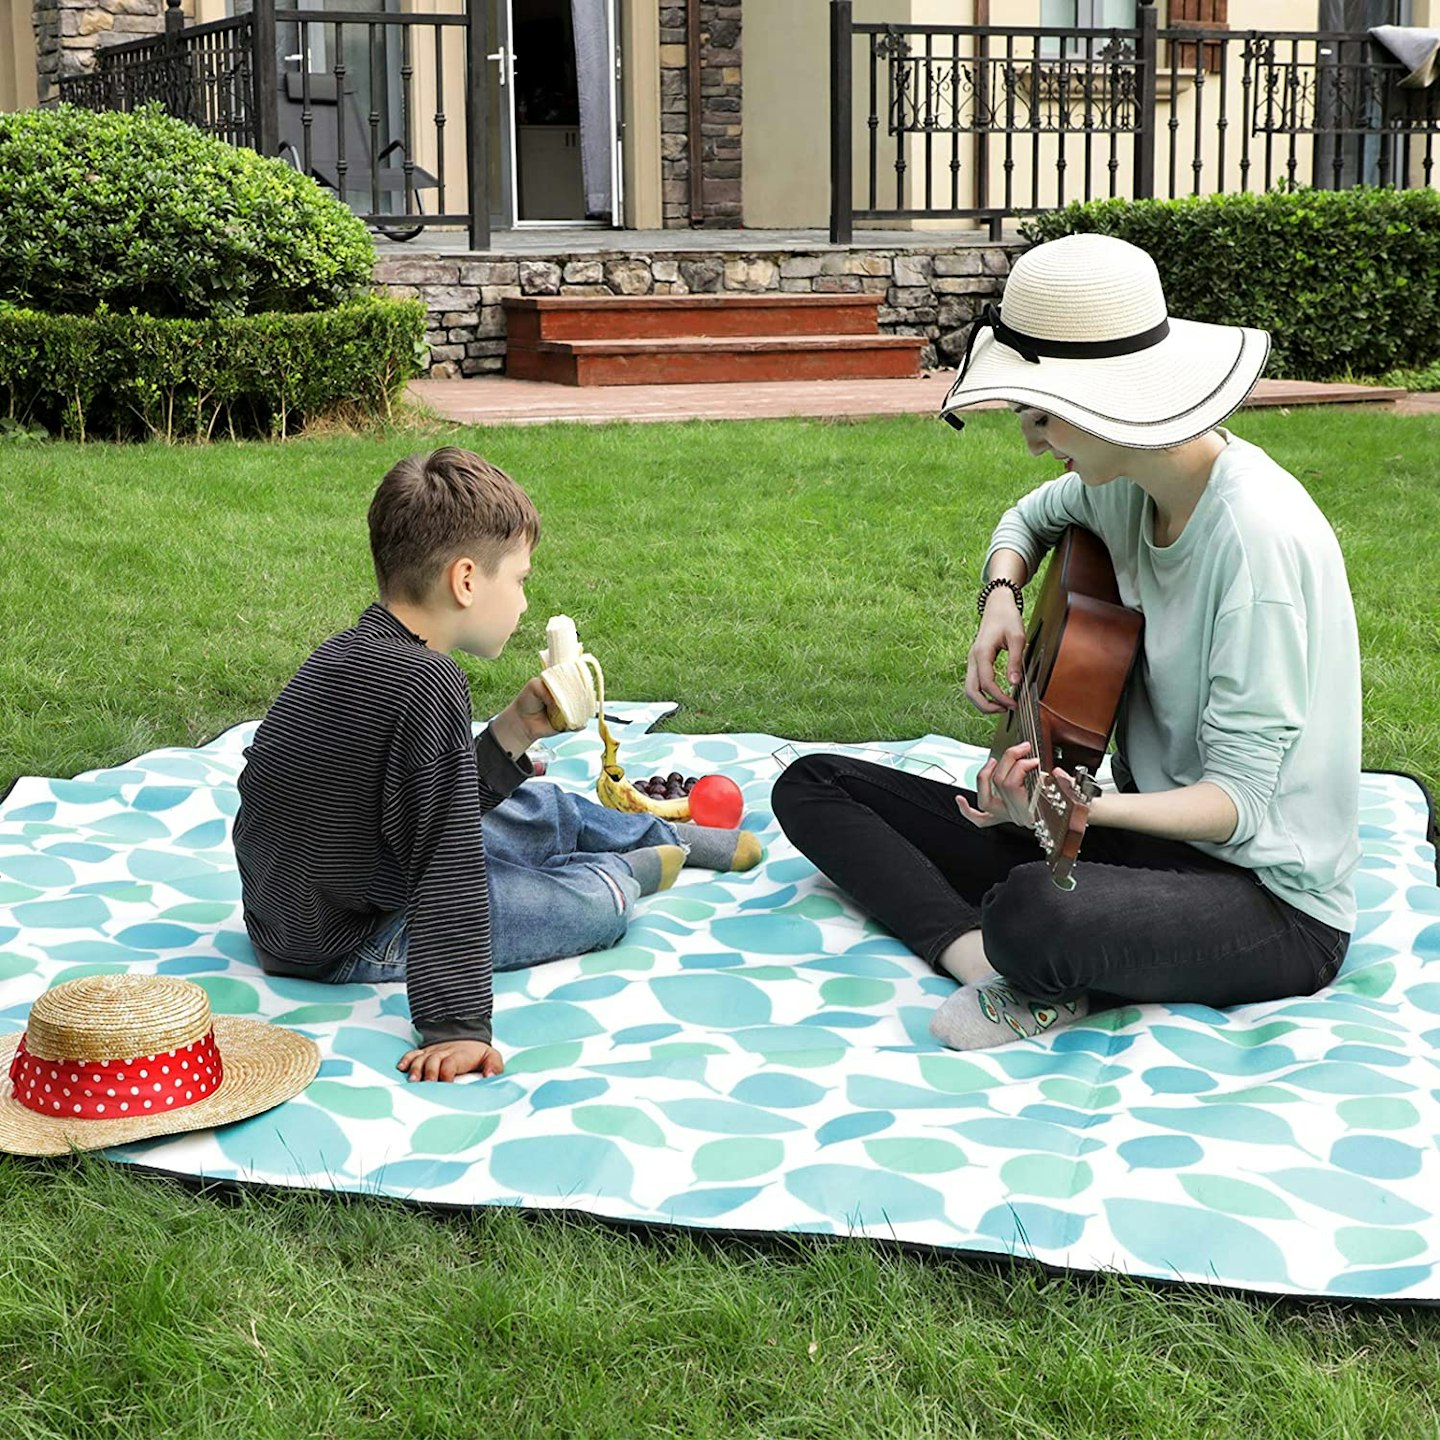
{"type": "Point", "coordinates": [785, 165]}
{"type": "Point", "coordinates": [17, 55]}
{"type": "Point", "coordinates": [640, 82]}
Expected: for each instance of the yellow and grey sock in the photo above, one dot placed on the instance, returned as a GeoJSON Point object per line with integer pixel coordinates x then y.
{"type": "Point", "coordinates": [711, 848]}
{"type": "Point", "coordinates": [655, 867]}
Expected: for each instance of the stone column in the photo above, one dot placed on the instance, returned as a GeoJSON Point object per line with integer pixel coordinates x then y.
{"type": "Point", "coordinates": [68, 33]}
{"type": "Point", "coordinates": [720, 95]}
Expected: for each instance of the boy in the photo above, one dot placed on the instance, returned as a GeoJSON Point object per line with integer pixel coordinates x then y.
{"type": "Point", "coordinates": [359, 835]}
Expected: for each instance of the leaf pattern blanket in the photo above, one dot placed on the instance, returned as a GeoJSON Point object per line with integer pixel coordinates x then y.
{"type": "Point", "coordinates": [755, 1055]}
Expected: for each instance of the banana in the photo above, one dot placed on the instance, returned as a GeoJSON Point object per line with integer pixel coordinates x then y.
{"type": "Point", "coordinates": [613, 789]}
{"type": "Point", "coordinates": [616, 792]}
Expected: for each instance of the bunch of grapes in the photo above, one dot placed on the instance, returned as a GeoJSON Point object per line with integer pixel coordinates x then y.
{"type": "Point", "coordinates": [673, 786]}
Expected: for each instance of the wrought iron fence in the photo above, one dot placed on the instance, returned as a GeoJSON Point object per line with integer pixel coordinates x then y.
{"type": "Point", "coordinates": [385, 110]}
{"type": "Point", "coordinates": [201, 74]}
{"type": "Point", "coordinates": [986, 123]}
{"type": "Point", "coordinates": [361, 106]}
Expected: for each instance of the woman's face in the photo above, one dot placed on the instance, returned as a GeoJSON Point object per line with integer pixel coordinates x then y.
{"type": "Point", "coordinates": [1095, 461]}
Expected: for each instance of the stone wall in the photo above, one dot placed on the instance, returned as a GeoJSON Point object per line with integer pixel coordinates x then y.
{"type": "Point", "coordinates": [69, 32]}
{"type": "Point", "coordinates": [931, 292]}
{"type": "Point", "coordinates": [720, 93]}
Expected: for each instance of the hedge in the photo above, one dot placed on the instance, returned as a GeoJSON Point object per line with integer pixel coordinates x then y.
{"type": "Point", "coordinates": [113, 376]}
{"type": "Point", "coordinates": [143, 212]}
{"type": "Point", "coordinates": [1347, 282]}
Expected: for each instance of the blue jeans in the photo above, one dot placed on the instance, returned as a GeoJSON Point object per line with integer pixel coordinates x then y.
{"type": "Point", "coordinates": [559, 884]}
{"type": "Point", "coordinates": [1149, 920]}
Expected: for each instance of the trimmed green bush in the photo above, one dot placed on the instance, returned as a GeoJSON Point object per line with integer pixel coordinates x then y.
{"type": "Point", "coordinates": [109, 376]}
{"type": "Point", "coordinates": [143, 212]}
{"type": "Point", "coordinates": [1347, 282]}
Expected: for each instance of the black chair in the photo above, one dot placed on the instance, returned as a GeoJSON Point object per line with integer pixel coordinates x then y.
{"type": "Point", "coordinates": [384, 176]}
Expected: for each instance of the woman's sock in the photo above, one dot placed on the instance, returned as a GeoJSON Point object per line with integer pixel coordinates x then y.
{"type": "Point", "coordinates": [977, 1017]}
{"type": "Point", "coordinates": [711, 848]}
{"type": "Point", "coordinates": [655, 867]}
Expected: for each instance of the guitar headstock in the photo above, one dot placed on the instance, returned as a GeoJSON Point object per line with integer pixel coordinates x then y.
{"type": "Point", "coordinates": [1060, 811]}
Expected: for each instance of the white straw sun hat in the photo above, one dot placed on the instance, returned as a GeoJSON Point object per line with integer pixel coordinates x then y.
{"type": "Point", "coordinates": [1082, 332]}
{"type": "Point", "coordinates": [107, 1059]}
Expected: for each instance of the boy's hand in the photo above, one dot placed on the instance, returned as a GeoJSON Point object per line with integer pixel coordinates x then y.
{"type": "Point", "coordinates": [525, 719]}
{"type": "Point", "coordinates": [451, 1058]}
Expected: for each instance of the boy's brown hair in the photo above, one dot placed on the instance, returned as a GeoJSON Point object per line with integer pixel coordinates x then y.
{"type": "Point", "coordinates": [431, 509]}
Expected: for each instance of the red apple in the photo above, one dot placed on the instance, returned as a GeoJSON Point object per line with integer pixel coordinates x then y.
{"type": "Point", "coordinates": [716, 800]}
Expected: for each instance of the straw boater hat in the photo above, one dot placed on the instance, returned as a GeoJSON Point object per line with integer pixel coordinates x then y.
{"type": "Point", "coordinates": [1082, 332]}
{"type": "Point", "coordinates": [108, 1059]}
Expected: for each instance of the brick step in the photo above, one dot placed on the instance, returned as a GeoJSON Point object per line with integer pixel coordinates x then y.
{"type": "Point", "coordinates": [664, 317]}
{"type": "Point", "coordinates": [716, 360]}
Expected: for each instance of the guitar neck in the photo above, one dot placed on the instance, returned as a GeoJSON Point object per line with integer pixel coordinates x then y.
{"type": "Point", "coordinates": [1079, 650]}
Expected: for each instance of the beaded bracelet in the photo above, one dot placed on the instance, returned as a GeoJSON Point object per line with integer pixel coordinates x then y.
{"type": "Point", "coordinates": [992, 585]}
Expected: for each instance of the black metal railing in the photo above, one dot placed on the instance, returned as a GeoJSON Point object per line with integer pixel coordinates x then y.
{"type": "Point", "coordinates": [201, 74]}
{"type": "Point", "coordinates": [388, 111]}
{"type": "Point", "coordinates": [987, 123]}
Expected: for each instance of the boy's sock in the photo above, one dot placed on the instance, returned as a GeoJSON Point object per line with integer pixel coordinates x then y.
{"type": "Point", "coordinates": [712, 848]}
{"type": "Point", "coordinates": [977, 1017]}
{"type": "Point", "coordinates": [655, 867]}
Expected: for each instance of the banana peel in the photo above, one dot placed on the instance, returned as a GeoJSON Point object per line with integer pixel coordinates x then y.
{"type": "Point", "coordinates": [617, 793]}
{"type": "Point", "coordinates": [613, 789]}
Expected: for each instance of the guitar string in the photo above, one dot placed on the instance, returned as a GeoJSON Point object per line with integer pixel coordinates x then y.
{"type": "Point", "coordinates": [1029, 718]}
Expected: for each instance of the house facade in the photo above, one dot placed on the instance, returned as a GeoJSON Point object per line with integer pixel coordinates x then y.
{"type": "Point", "coordinates": [657, 114]}
{"type": "Point", "coordinates": [704, 129]}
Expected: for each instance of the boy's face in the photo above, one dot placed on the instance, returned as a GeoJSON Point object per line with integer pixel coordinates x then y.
{"type": "Point", "coordinates": [499, 602]}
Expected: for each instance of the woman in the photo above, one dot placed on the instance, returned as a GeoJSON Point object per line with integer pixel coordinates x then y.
{"type": "Point", "coordinates": [1220, 869]}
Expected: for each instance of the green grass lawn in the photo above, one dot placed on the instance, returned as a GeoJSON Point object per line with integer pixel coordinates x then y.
{"type": "Point", "coordinates": [806, 579]}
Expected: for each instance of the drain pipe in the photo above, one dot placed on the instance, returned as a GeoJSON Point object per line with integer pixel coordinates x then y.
{"type": "Point", "coordinates": [697, 111]}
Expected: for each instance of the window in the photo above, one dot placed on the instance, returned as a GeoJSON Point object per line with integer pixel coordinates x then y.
{"type": "Point", "coordinates": [1082, 15]}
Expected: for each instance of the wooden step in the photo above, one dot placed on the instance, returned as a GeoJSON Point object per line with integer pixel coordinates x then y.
{"type": "Point", "coordinates": [664, 317]}
{"type": "Point", "coordinates": [716, 360]}
{"type": "Point", "coordinates": [1304, 392]}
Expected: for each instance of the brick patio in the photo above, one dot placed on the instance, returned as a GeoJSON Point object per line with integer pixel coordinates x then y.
{"type": "Point", "coordinates": [497, 401]}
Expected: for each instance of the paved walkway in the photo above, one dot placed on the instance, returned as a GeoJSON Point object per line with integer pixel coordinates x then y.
{"type": "Point", "coordinates": [498, 401]}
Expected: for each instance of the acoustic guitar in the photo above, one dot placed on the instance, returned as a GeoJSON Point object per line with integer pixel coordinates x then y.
{"type": "Point", "coordinates": [1080, 648]}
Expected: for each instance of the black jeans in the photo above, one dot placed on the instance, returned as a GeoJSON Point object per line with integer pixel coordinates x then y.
{"type": "Point", "coordinates": [1147, 920]}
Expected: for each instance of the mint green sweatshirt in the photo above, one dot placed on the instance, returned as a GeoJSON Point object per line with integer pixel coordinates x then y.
{"type": "Point", "coordinates": [1249, 676]}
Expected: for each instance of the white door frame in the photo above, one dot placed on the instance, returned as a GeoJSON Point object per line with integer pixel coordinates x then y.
{"type": "Point", "coordinates": [505, 216]}
{"type": "Point", "coordinates": [503, 206]}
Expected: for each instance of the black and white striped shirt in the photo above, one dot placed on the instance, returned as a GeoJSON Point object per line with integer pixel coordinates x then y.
{"type": "Point", "coordinates": [362, 795]}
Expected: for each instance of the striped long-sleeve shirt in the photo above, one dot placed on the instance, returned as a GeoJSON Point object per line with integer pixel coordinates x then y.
{"type": "Point", "coordinates": [361, 796]}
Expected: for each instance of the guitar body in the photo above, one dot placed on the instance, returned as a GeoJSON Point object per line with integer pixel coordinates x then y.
{"type": "Point", "coordinates": [1080, 648]}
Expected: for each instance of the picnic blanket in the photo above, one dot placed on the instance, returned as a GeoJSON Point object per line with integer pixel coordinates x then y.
{"type": "Point", "coordinates": [755, 1055]}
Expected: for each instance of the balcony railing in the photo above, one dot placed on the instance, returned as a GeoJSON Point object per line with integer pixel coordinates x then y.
{"type": "Point", "coordinates": [360, 104]}
{"type": "Point", "coordinates": [989, 123]}
{"type": "Point", "coordinates": [943, 122]}
{"type": "Point", "coordinates": [201, 74]}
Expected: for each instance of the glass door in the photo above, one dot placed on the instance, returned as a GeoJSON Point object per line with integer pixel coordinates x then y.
{"type": "Point", "coordinates": [554, 141]}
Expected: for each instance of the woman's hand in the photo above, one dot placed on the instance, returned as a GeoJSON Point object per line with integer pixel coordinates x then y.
{"type": "Point", "coordinates": [1000, 793]}
{"type": "Point", "coordinates": [1000, 633]}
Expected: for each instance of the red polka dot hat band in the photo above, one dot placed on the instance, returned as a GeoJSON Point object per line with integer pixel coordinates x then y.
{"type": "Point", "coordinates": [95, 1089]}
{"type": "Point", "coordinates": [109, 1059]}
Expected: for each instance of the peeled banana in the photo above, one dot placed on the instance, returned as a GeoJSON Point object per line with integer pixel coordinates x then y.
{"type": "Point", "coordinates": [612, 788]}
